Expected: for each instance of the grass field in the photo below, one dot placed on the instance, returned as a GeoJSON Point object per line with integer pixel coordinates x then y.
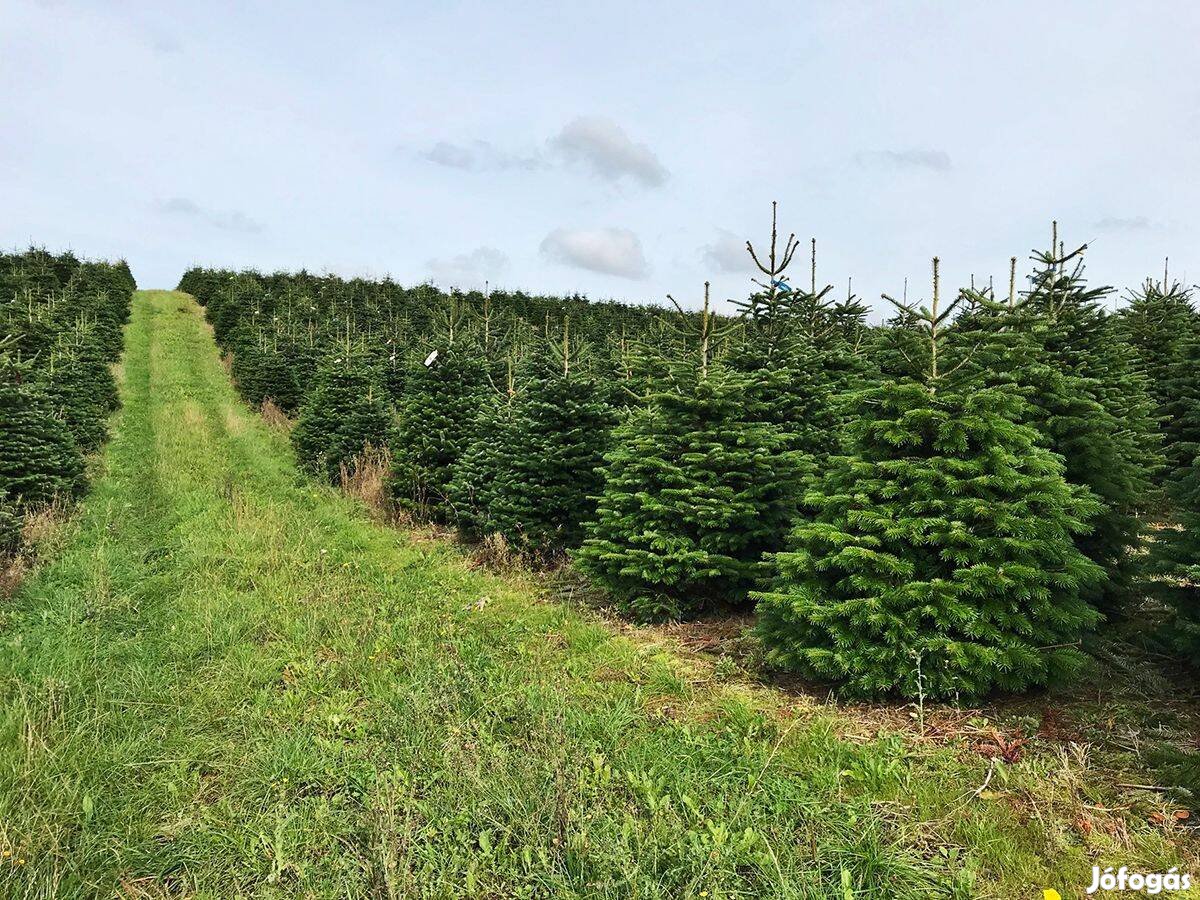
{"type": "Point", "coordinates": [227, 681]}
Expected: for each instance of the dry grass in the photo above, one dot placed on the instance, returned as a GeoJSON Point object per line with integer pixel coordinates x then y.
{"type": "Point", "coordinates": [41, 535]}
{"type": "Point", "coordinates": [496, 554]}
{"type": "Point", "coordinates": [366, 479]}
{"type": "Point", "coordinates": [274, 416]}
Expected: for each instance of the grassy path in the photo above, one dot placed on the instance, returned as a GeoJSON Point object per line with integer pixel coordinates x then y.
{"type": "Point", "coordinates": [230, 683]}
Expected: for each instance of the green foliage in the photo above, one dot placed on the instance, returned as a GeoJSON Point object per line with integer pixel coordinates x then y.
{"type": "Point", "coordinates": [1014, 346]}
{"type": "Point", "coordinates": [61, 325]}
{"type": "Point", "coordinates": [695, 491]}
{"type": "Point", "coordinates": [548, 472]}
{"type": "Point", "coordinates": [1175, 559]}
{"type": "Point", "coordinates": [342, 416]}
{"type": "Point", "coordinates": [39, 458]}
{"type": "Point", "coordinates": [475, 474]}
{"type": "Point", "coordinates": [80, 384]}
{"type": "Point", "coordinates": [1163, 329]}
{"type": "Point", "coordinates": [262, 372]}
{"type": "Point", "coordinates": [436, 418]}
{"type": "Point", "coordinates": [938, 561]}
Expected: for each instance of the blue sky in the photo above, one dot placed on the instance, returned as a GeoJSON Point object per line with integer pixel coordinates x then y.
{"type": "Point", "coordinates": [619, 149]}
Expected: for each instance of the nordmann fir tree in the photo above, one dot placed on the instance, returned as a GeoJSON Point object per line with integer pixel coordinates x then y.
{"type": "Point", "coordinates": [81, 386]}
{"type": "Point", "coordinates": [1006, 345]}
{"type": "Point", "coordinates": [549, 463]}
{"type": "Point", "coordinates": [474, 481]}
{"type": "Point", "coordinates": [1175, 560]}
{"type": "Point", "coordinates": [779, 349]}
{"type": "Point", "coordinates": [436, 417]}
{"type": "Point", "coordinates": [696, 487]}
{"type": "Point", "coordinates": [938, 560]}
{"type": "Point", "coordinates": [343, 416]}
{"type": "Point", "coordinates": [39, 459]}
{"type": "Point", "coordinates": [1082, 341]}
{"type": "Point", "coordinates": [1163, 328]}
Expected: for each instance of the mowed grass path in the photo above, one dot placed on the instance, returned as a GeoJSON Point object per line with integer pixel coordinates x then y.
{"type": "Point", "coordinates": [229, 682]}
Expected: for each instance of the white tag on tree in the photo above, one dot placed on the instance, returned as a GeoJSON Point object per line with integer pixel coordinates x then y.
{"type": "Point", "coordinates": [431, 358]}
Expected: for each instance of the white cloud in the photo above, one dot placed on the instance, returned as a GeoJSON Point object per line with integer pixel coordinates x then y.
{"type": "Point", "coordinates": [468, 270]}
{"type": "Point", "coordinates": [226, 220]}
{"type": "Point", "coordinates": [1117, 223]}
{"type": "Point", "coordinates": [480, 156]}
{"type": "Point", "coordinates": [603, 146]}
{"type": "Point", "coordinates": [612, 251]}
{"type": "Point", "coordinates": [933, 160]}
{"type": "Point", "coordinates": [728, 253]}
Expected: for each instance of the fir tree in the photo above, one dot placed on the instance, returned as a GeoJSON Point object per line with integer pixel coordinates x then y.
{"type": "Point", "coordinates": [784, 332]}
{"type": "Point", "coordinates": [81, 387]}
{"type": "Point", "coordinates": [1163, 328]}
{"type": "Point", "coordinates": [475, 474]}
{"type": "Point", "coordinates": [341, 417]}
{"type": "Point", "coordinates": [939, 559]}
{"type": "Point", "coordinates": [10, 528]}
{"type": "Point", "coordinates": [695, 491]}
{"type": "Point", "coordinates": [1007, 345]}
{"type": "Point", "coordinates": [436, 417]}
{"type": "Point", "coordinates": [550, 456]}
{"type": "Point", "coordinates": [1080, 340]}
{"type": "Point", "coordinates": [39, 459]}
{"type": "Point", "coordinates": [1176, 562]}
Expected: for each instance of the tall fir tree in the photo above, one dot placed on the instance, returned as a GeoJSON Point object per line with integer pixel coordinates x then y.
{"type": "Point", "coordinates": [475, 474]}
{"type": "Point", "coordinates": [939, 558]}
{"type": "Point", "coordinates": [1082, 341]}
{"type": "Point", "coordinates": [1175, 559]}
{"type": "Point", "coordinates": [1162, 326]}
{"type": "Point", "coordinates": [343, 415]}
{"type": "Point", "coordinates": [550, 455]}
{"type": "Point", "coordinates": [696, 489]}
{"type": "Point", "coordinates": [39, 459]}
{"type": "Point", "coordinates": [436, 416]}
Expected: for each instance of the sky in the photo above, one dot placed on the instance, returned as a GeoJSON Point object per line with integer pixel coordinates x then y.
{"type": "Point", "coordinates": [620, 150]}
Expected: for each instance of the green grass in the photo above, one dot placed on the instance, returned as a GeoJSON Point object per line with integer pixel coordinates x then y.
{"type": "Point", "coordinates": [229, 682]}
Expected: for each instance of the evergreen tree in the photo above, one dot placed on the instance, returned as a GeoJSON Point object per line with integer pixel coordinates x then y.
{"type": "Point", "coordinates": [782, 330]}
{"type": "Point", "coordinates": [549, 458]}
{"type": "Point", "coordinates": [1012, 345]}
{"type": "Point", "coordinates": [39, 458]}
{"type": "Point", "coordinates": [475, 474]}
{"type": "Point", "coordinates": [343, 415]}
{"type": "Point", "coordinates": [436, 419]}
{"type": "Point", "coordinates": [939, 559]}
{"type": "Point", "coordinates": [695, 491]}
{"type": "Point", "coordinates": [1116, 458]}
{"type": "Point", "coordinates": [1176, 562]}
{"type": "Point", "coordinates": [81, 387]}
{"type": "Point", "coordinates": [1163, 328]}
{"type": "Point", "coordinates": [10, 528]}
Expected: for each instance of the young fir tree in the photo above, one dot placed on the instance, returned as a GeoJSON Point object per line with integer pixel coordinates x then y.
{"type": "Point", "coordinates": [262, 372]}
{"type": "Point", "coordinates": [436, 417]}
{"type": "Point", "coordinates": [1005, 344]}
{"type": "Point", "coordinates": [784, 330]}
{"type": "Point", "coordinates": [1175, 559]}
{"type": "Point", "coordinates": [696, 489]}
{"type": "Point", "coordinates": [475, 475]}
{"type": "Point", "coordinates": [81, 387]}
{"type": "Point", "coordinates": [39, 458]}
{"type": "Point", "coordinates": [342, 416]}
{"type": "Point", "coordinates": [10, 528]}
{"type": "Point", "coordinates": [1163, 328]}
{"type": "Point", "coordinates": [1082, 341]}
{"type": "Point", "coordinates": [939, 558]}
{"type": "Point", "coordinates": [550, 456]}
